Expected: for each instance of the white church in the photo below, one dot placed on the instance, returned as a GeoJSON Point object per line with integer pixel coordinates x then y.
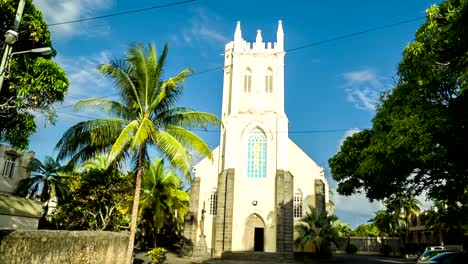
{"type": "Point", "coordinates": [259, 183]}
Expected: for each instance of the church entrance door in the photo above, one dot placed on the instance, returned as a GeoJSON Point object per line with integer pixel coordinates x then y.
{"type": "Point", "coordinates": [254, 233]}
{"type": "Point", "coordinates": [258, 239]}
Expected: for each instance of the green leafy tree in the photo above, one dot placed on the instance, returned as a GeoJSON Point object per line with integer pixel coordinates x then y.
{"type": "Point", "coordinates": [33, 83]}
{"type": "Point", "coordinates": [96, 202]}
{"type": "Point", "coordinates": [163, 202]}
{"type": "Point", "coordinates": [144, 117]}
{"type": "Point", "coordinates": [46, 181]}
{"type": "Point", "coordinates": [317, 226]}
{"type": "Point", "coordinates": [367, 230]}
{"type": "Point", "coordinates": [419, 137]}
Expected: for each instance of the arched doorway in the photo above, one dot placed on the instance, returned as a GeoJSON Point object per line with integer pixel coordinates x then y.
{"type": "Point", "coordinates": [254, 233]}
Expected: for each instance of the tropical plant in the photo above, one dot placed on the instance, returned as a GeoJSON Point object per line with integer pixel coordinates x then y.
{"type": "Point", "coordinates": [163, 202]}
{"type": "Point", "coordinates": [386, 221]}
{"type": "Point", "coordinates": [157, 255]}
{"type": "Point", "coordinates": [96, 202]}
{"type": "Point", "coordinates": [144, 117]}
{"type": "Point", "coordinates": [343, 229]}
{"type": "Point", "coordinates": [45, 182]}
{"type": "Point", "coordinates": [33, 83]}
{"type": "Point", "coordinates": [317, 226]}
{"type": "Point", "coordinates": [351, 248]}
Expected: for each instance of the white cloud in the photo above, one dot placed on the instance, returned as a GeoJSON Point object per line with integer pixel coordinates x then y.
{"type": "Point", "coordinates": [356, 204]}
{"type": "Point", "coordinates": [348, 133]}
{"type": "Point", "coordinates": [85, 79]}
{"type": "Point", "coordinates": [201, 28]}
{"type": "Point", "coordinates": [57, 11]}
{"type": "Point", "coordinates": [363, 88]}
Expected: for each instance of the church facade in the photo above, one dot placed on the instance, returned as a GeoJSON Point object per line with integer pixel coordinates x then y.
{"type": "Point", "coordinates": [259, 183]}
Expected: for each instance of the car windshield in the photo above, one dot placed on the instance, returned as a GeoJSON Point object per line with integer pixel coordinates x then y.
{"type": "Point", "coordinates": [442, 257]}
{"type": "Point", "coordinates": [429, 254]}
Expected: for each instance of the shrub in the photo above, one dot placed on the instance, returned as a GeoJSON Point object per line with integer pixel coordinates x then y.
{"type": "Point", "coordinates": [351, 248]}
{"type": "Point", "coordinates": [157, 255]}
{"type": "Point", "coordinates": [386, 249]}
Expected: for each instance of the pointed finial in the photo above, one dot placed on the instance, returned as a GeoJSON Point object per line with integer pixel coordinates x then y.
{"type": "Point", "coordinates": [259, 36]}
{"type": "Point", "coordinates": [280, 36]}
{"type": "Point", "coordinates": [280, 28]}
{"type": "Point", "coordinates": [238, 33]}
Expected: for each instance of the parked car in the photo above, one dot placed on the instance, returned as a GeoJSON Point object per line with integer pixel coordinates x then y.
{"type": "Point", "coordinates": [446, 257]}
{"type": "Point", "coordinates": [426, 255]}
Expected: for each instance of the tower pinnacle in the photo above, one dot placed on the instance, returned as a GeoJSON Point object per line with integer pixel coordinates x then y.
{"type": "Point", "coordinates": [238, 33]}
{"type": "Point", "coordinates": [280, 35]}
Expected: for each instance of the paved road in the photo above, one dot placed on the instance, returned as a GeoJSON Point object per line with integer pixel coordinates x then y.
{"type": "Point", "coordinates": [338, 259]}
{"type": "Point", "coordinates": [357, 259]}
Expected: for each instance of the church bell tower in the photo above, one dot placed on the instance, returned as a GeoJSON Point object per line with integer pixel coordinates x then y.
{"type": "Point", "coordinates": [253, 179]}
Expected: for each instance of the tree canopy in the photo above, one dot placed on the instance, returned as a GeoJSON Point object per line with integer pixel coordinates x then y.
{"type": "Point", "coordinates": [419, 138]}
{"type": "Point", "coordinates": [33, 83]}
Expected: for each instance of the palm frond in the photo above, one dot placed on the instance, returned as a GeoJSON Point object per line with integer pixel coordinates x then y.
{"type": "Point", "coordinates": [88, 138]}
{"type": "Point", "coordinates": [107, 105]}
{"type": "Point", "coordinates": [190, 140]}
{"type": "Point", "coordinates": [119, 71]}
{"type": "Point", "coordinates": [170, 92]}
{"type": "Point", "coordinates": [142, 72]}
{"type": "Point", "coordinates": [188, 118]}
{"type": "Point", "coordinates": [175, 152]}
{"type": "Point", "coordinates": [124, 139]}
{"type": "Point", "coordinates": [143, 133]}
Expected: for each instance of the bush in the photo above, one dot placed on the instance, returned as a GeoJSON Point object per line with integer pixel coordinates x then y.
{"type": "Point", "coordinates": [351, 249]}
{"type": "Point", "coordinates": [157, 255]}
{"type": "Point", "coordinates": [386, 249]}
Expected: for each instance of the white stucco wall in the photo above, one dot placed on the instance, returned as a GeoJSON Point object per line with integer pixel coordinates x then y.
{"type": "Point", "coordinates": [207, 170]}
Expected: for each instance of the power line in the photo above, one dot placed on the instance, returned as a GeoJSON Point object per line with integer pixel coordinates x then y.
{"type": "Point", "coordinates": [356, 33]}
{"type": "Point", "coordinates": [267, 132]}
{"type": "Point", "coordinates": [122, 13]}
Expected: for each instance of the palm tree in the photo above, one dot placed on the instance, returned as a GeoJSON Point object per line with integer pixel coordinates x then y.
{"type": "Point", "coordinates": [437, 219]}
{"type": "Point", "coordinates": [386, 222]}
{"type": "Point", "coordinates": [318, 227]}
{"type": "Point", "coordinates": [163, 202]}
{"type": "Point", "coordinates": [144, 117]}
{"type": "Point", "coordinates": [98, 162]}
{"type": "Point", "coordinates": [44, 183]}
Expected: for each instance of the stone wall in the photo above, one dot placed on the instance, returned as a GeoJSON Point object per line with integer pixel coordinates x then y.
{"type": "Point", "coordinates": [72, 247]}
{"type": "Point", "coordinates": [224, 212]}
{"type": "Point", "coordinates": [284, 203]}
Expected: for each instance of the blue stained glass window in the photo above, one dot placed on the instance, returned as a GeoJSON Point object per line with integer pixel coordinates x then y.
{"type": "Point", "coordinates": [256, 156]}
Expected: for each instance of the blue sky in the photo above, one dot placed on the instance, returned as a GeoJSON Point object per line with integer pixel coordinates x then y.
{"type": "Point", "coordinates": [332, 86]}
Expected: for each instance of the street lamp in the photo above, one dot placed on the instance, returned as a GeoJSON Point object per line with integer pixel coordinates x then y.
{"type": "Point", "coordinates": [11, 36]}
{"type": "Point", "coordinates": [42, 51]}
{"type": "Point", "coordinates": [6, 59]}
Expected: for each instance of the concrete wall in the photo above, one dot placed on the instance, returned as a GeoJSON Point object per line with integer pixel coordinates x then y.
{"type": "Point", "coordinates": [18, 222]}
{"type": "Point", "coordinates": [50, 247]}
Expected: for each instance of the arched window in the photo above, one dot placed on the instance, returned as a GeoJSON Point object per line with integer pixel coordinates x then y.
{"type": "Point", "coordinates": [297, 204]}
{"type": "Point", "coordinates": [248, 81]}
{"type": "Point", "coordinates": [269, 81]}
{"type": "Point", "coordinates": [256, 155]}
{"type": "Point", "coordinates": [213, 201]}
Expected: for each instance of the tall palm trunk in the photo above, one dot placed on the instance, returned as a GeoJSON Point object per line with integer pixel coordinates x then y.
{"type": "Point", "coordinates": [136, 202]}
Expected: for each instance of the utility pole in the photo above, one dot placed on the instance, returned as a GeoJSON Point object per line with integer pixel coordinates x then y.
{"type": "Point", "coordinates": [9, 43]}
